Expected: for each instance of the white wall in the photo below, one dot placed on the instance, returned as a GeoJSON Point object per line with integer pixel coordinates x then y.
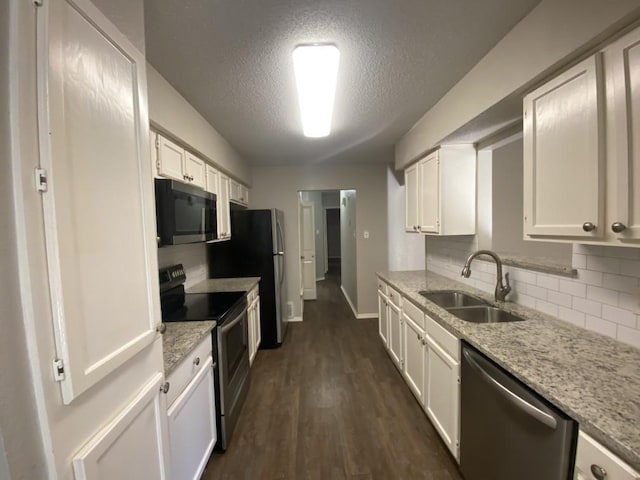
{"type": "Point", "coordinates": [406, 250]}
{"type": "Point", "coordinates": [21, 449]}
{"type": "Point", "coordinates": [278, 187]}
{"type": "Point", "coordinates": [170, 113]}
{"type": "Point", "coordinates": [543, 41]}
{"type": "Point", "coordinates": [193, 258]}
{"type": "Point", "coordinates": [348, 246]}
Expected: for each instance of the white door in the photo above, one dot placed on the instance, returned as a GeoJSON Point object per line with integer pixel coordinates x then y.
{"type": "Point", "coordinates": [442, 394]}
{"type": "Point", "coordinates": [195, 170]}
{"type": "Point", "coordinates": [429, 194]}
{"type": "Point", "coordinates": [170, 159]}
{"type": "Point", "coordinates": [192, 427]}
{"type": "Point", "coordinates": [383, 323]}
{"type": "Point", "coordinates": [308, 252]}
{"type": "Point", "coordinates": [411, 198]}
{"type": "Point", "coordinates": [99, 208]}
{"type": "Point", "coordinates": [414, 348]}
{"type": "Point", "coordinates": [395, 334]}
{"type": "Point", "coordinates": [623, 60]}
{"type": "Point", "coordinates": [564, 155]}
{"type": "Point", "coordinates": [132, 445]}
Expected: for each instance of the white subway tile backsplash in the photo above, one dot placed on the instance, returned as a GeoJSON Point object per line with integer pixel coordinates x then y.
{"type": "Point", "coordinates": [562, 299]}
{"type": "Point", "coordinates": [619, 316]}
{"type": "Point", "coordinates": [605, 296]}
{"type": "Point", "coordinates": [572, 316]}
{"type": "Point", "coordinates": [603, 264]}
{"type": "Point", "coordinates": [587, 306]}
{"type": "Point", "coordinates": [629, 335]}
{"type": "Point", "coordinates": [602, 295]}
{"type": "Point", "coordinates": [590, 277]}
{"type": "Point", "coordinates": [573, 288]}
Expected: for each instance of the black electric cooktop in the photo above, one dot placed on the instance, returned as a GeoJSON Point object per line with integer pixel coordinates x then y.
{"type": "Point", "coordinates": [201, 306]}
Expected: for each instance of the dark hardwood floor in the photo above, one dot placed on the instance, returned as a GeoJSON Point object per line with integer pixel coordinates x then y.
{"type": "Point", "coordinates": [330, 405]}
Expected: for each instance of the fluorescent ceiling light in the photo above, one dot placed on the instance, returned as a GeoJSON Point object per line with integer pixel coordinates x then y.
{"type": "Point", "coordinates": [316, 69]}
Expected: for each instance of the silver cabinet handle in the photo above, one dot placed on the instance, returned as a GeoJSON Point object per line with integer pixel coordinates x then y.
{"type": "Point", "coordinates": [598, 472]}
{"type": "Point", "coordinates": [588, 227]}
{"type": "Point", "coordinates": [618, 227]}
{"type": "Point", "coordinates": [161, 328]}
{"type": "Point", "coordinates": [164, 388]}
{"type": "Point", "coordinates": [196, 362]}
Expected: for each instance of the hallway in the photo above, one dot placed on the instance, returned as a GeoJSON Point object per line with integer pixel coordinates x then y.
{"type": "Point", "coordinates": [330, 405]}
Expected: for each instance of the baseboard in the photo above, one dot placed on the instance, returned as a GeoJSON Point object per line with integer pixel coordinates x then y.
{"type": "Point", "coordinates": [344, 292]}
{"type": "Point", "coordinates": [295, 319]}
{"type": "Point", "coordinates": [319, 279]}
{"type": "Point", "coordinates": [367, 315]}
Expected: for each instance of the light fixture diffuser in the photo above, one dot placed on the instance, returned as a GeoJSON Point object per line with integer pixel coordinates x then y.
{"type": "Point", "coordinates": [316, 70]}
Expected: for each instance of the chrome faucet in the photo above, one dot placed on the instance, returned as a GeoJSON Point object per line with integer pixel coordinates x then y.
{"type": "Point", "coordinates": [502, 290]}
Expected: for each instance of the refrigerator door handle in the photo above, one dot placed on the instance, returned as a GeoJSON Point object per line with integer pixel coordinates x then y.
{"type": "Point", "coordinates": [511, 397]}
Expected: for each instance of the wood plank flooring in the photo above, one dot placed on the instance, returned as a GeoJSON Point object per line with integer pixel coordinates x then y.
{"type": "Point", "coordinates": [330, 405]}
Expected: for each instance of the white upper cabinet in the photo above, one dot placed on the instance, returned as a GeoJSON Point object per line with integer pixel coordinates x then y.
{"type": "Point", "coordinates": [194, 170]}
{"type": "Point", "coordinates": [170, 159]}
{"type": "Point", "coordinates": [622, 60]}
{"type": "Point", "coordinates": [212, 180]}
{"type": "Point", "coordinates": [238, 193]}
{"type": "Point", "coordinates": [441, 192]}
{"type": "Point", "coordinates": [94, 148]}
{"type": "Point", "coordinates": [222, 206]}
{"type": "Point", "coordinates": [564, 154]}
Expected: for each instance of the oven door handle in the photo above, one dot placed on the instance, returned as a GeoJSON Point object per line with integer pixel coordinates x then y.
{"type": "Point", "coordinates": [228, 326]}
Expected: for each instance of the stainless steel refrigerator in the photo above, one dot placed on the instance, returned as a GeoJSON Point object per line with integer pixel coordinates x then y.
{"type": "Point", "coordinates": [257, 249]}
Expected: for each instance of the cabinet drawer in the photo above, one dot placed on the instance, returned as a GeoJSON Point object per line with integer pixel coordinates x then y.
{"type": "Point", "coordinates": [591, 453]}
{"type": "Point", "coordinates": [413, 312]}
{"type": "Point", "coordinates": [394, 297]}
{"type": "Point", "coordinates": [442, 337]}
{"type": "Point", "coordinates": [187, 369]}
{"type": "Point", "coordinates": [382, 287]}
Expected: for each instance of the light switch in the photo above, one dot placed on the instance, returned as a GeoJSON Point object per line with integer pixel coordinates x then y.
{"type": "Point", "coordinates": [366, 234]}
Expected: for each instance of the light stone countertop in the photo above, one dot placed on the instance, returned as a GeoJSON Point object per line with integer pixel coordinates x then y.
{"type": "Point", "coordinates": [591, 377]}
{"type": "Point", "coordinates": [180, 339]}
{"type": "Point", "coordinates": [242, 284]}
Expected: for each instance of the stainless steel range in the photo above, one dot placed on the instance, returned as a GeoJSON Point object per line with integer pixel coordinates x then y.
{"type": "Point", "coordinates": [230, 341]}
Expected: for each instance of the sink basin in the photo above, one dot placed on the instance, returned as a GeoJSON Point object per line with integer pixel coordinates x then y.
{"type": "Point", "coordinates": [484, 314]}
{"type": "Point", "coordinates": [452, 298]}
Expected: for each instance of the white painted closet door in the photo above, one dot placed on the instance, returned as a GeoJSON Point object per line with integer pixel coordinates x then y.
{"type": "Point", "coordinates": [623, 58]}
{"type": "Point", "coordinates": [99, 212]}
{"type": "Point", "coordinates": [429, 194]}
{"type": "Point", "coordinates": [132, 445]}
{"type": "Point", "coordinates": [564, 154]}
{"type": "Point", "coordinates": [308, 253]}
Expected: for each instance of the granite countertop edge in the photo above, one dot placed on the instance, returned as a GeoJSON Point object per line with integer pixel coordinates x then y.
{"type": "Point", "coordinates": [180, 339]}
{"type": "Point", "coordinates": [235, 284]}
{"type": "Point", "coordinates": [539, 368]}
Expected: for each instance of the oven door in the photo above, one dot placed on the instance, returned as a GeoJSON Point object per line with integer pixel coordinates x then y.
{"type": "Point", "coordinates": [233, 359]}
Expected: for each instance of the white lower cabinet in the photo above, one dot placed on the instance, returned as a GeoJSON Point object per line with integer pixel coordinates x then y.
{"type": "Point", "coordinates": [442, 395]}
{"type": "Point", "coordinates": [133, 444]}
{"type": "Point", "coordinates": [192, 414]}
{"type": "Point", "coordinates": [595, 462]}
{"type": "Point", "coordinates": [415, 358]}
{"type": "Point", "coordinates": [394, 344]}
{"type": "Point", "coordinates": [383, 323]}
{"type": "Point", "coordinates": [253, 313]}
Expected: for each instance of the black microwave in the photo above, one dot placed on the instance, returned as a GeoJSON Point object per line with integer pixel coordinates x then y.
{"type": "Point", "coordinates": [184, 213]}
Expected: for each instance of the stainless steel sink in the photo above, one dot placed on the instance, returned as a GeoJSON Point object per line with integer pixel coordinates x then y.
{"type": "Point", "coordinates": [484, 314]}
{"type": "Point", "coordinates": [451, 299]}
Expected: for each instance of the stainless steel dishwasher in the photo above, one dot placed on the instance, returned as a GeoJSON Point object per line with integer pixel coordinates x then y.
{"type": "Point", "coordinates": [507, 430]}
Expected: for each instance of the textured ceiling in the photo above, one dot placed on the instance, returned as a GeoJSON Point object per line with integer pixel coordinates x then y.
{"type": "Point", "coordinates": [231, 59]}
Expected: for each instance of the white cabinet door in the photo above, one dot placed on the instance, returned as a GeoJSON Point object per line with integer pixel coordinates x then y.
{"type": "Point", "coordinates": [257, 332]}
{"type": "Point", "coordinates": [212, 180]}
{"type": "Point", "coordinates": [395, 334]}
{"type": "Point", "coordinates": [411, 198]}
{"type": "Point", "coordinates": [429, 194]}
{"type": "Point", "coordinates": [383, 323]}
{"type": "Point", "coordinates": [414, 348]}
{"type": "Point", "coordinates": [132, 445]}
{"type": "Point", "coordinates": [442, 394]}
{"type": "Point", "coordinates": [94, 146]}
{"type": "Point", "coordinates": [222, 205]}
{"type": "Point", "coordinates": [170, 159]}
{"type": "Point", "coordinates": [623, 69]}
{"type": "Point", "coordinates": [591, 454]}
{"type": "Point", "coordinates": [245, 195]}
{"type": "Point", "coordinates": [192, 427]}
{"type": "Point", "coordinates": [564, 155]}
{"type": "Point", "coordinates": [194, 169]}
{"type": "Point", "coordinates": [251, 314]}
